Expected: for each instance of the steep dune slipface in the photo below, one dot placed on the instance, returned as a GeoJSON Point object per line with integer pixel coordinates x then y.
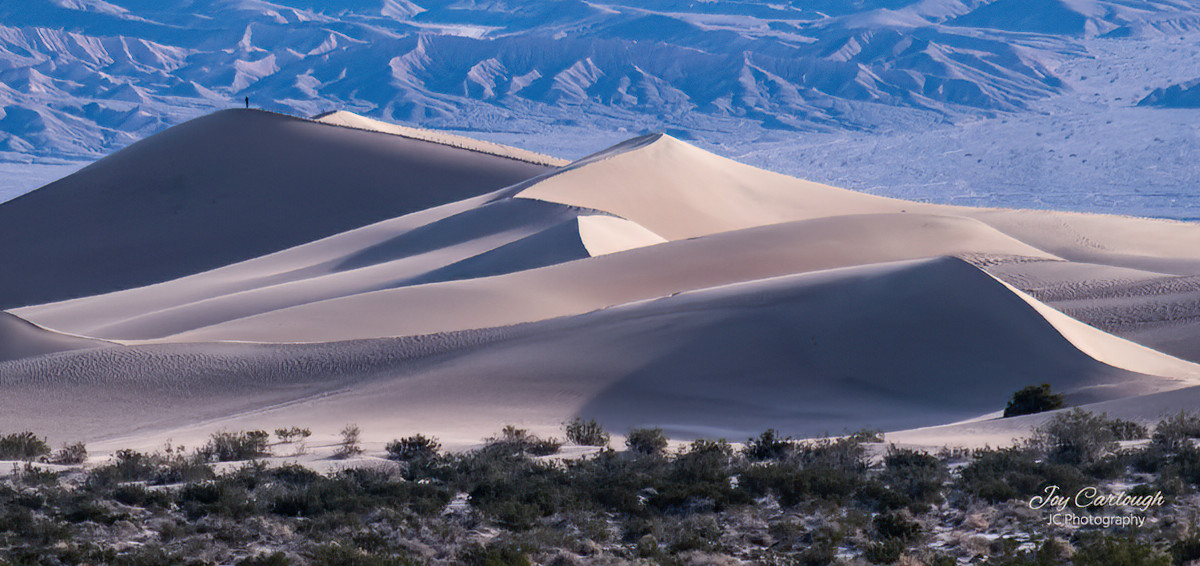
{"type": "Point", "coordinates": [224, 188]}
{"type": "Point", "coordinates": [21, 339]}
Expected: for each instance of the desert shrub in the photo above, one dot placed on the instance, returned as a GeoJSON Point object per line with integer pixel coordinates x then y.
{"type": "Point", "coordinates": [70, 454]}
{"type": "Point", "coordinates": [698, 480]}
{"type": "Point", "coordinates": [586, 433]}
{"type": "Point", "coordinates": [915, 475]}
{"type": "Point", "coordinates": [520, 441]}
{"type": "Point", "coordinates": [1107, 550]}
{"type": "Point", "coordinates": [292, 434]}
{"type": "Point", "coordinates": [885, 551]}
{"type": "Point", "coordinates": [129, 465]}
{"type": "Point", "coordinates": [1076, 437]}
{"type": "Point", "coordinates": [350, 442]}
{"type": "Point", "coordinates": [1175, 433]}
{"type": "Point", "coordinates": [1123, 429]}
{"type": "Point", "coordinates": [767, 446]}
{"type": "Point", "coordinates": [495, 553]}
{"type": "Point", "coordinates": [1007, 473]}
{"type": "Point", "coordinates": [236, 446]}
{"type": "Point", "coordinates": [1033, 399]}
{"type": "Point", "coordinates": [138, 496]}
{"type": "Point", "coordinates": [828, 469]}
{"type": "Point", "coordinates": [866, 435]}
{"type": "Point", "coordinates": [264, 559]}
{"type": "Point", "coordinates": [350, 555]}
{"type": "Point", "coordinates": [893, 525]}
{"type": "Point", "coordinates": [646, 440]}
{"type": "Point", "coordinates": [416, 447]}
{"type": "Point", "coordinates": [22, 446]}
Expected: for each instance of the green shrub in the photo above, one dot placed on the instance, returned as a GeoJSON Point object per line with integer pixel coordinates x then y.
{"type": "Point", "coordinates": [236, 446]}
{"type": "Point", "coordinates": [70, 454]}
{"type": "Point", "coordinates": [349, 445]}
{"type": "Point", "coordinates": [292, 434]}
{"type": "Point", "coordinates": [1104, 550]}
{"type": "Point", "coordinates": [1128, 430]}
{"type": "Point", "coordinates": [915, 475]}
{"type": "Point", "coordinates": [646, 440]}
{"type": "Point", "coordinates": [416, 447]}
{"type": "Point", "coordinates": [1076, 437]}
{"type": "Point", "coordinates": [1033, 399]}
{"type": "Point", "coordinates": [1175, 433]}
{"type": "Point", "coordinates": [520, 441]}
{"type": "Point", "coordinates": [586, 433]}
{"type": "Point", "coordinates": [495, 553]}
{"type": "Point", "coordinates": [22, 446]}
{"type": "Point", "coordinates": [768, 446]}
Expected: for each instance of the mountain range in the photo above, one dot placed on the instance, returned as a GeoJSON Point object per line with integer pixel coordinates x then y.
{"type": "Point", "coordinates": [80, 78]}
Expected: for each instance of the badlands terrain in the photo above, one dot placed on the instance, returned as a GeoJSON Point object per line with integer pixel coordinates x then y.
{"type": "Point", "coordinates": [256, 270]}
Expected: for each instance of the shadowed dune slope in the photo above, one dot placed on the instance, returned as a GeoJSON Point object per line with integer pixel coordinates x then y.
{"type": "Point", "coordinates": [600, 282]}
{"type": "Point", "coordinates": [895, 345]}
{"type": "Point", "coordinates": [223, 188]}
{"type": "Point", "coordinates": [21, 339]}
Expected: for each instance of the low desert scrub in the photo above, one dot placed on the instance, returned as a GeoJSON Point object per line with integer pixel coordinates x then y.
{"type": "Point", "coordinates": [236, 446]}
{"type": "Point", "coordinates": [777, 501]}
{"type": "Point", "coordinates": [292, 434]}
{"type": "Point", "coordinates": [22, 446]}
{"type": "Point", "coordinates": [70, 454]}
{"type": "Point", "coordinates": [350, 444]}
{"type": "Point", "coordinates": [648, 441]}
{"type": "Point", "coordinates": [522, 441]}
{"type": "Point", "coordinates": [586, 433]}
{"type": "Point", "coordinates": [416, 447]}
{"type": "Point", "coordinates": [1033, 399]}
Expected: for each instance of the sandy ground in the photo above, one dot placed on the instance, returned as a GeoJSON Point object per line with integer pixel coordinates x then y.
{"type": "Point", "coordinates": [411, 281]}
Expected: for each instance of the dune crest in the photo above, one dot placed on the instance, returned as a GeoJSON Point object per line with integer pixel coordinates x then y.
{"type": "Point", "coordinates": [20, 338]}
{"type": "Point", "coordinates": [352, 120]}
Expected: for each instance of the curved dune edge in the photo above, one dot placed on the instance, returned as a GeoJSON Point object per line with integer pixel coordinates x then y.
{"type": "Point", "coordinates": [609, 280]}
{"type": "Point", "coordinates": [352, 120]}
{"type": "Point", "coordinates": [1109, 349]}
{"type": "Point", "coordinates": [892, 345]}
{"type": "Point", "coordinates": [603, 235]}
{"type": "Point", "coordinates": [20, 338]}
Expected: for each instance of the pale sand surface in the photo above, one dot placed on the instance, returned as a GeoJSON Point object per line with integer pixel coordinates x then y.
{"type": "Point", "coordinates": [222, 188]}
{"type": "Point", "coordinates": [650, 284]}
{"type": "Point", "coordinates": [352, 120]}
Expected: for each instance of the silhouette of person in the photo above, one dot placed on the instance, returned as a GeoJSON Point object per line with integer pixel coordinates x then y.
{"type": "Point", "coordinates": [247, 102]}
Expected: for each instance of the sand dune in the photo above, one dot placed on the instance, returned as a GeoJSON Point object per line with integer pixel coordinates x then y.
{"type": "Point", "coordinates": [21, 339]}
{"type": "Point", "coordinates": [396, 279]}
{"type": "Point", "coordinates": [223, 188]}
{"type": "Point", "coordinates": [480, 237]}
{"type": "Point", "coordinates": [895, 345]}
{"type": "Point", "coordinates": [272, 314]}
{"type": "Point", "coordinates": [352, 120]}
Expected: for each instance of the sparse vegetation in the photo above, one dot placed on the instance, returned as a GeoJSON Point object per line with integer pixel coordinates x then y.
{"type": "Point", "coordinates": [350, 443]}
{"type": "Point", "coordinates": [1033, 399]}
{"type": "Point", "coordinates": [521, 441]}
{"type": "Point", "coordinates": [586, 433]}
{"type": "Point", "coordinates": [775, 501]}
{"type": "Point", "coordinates": [22, 446]}
{"type": "Point", "coordinates": [646, 440]}
{"type": "Point", "coordinates": [416, 447]}
{"type": "Point", "coordinates": [75, 453]}
{"type": "Point", "coordinates": [236, 446]}
{"type": "Point", "coordinates": [292, 434]}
